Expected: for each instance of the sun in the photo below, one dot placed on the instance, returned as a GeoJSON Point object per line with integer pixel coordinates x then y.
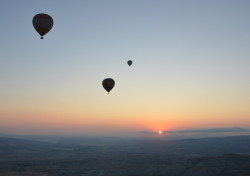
{"type": "Point", "coordinates": [160, 132]}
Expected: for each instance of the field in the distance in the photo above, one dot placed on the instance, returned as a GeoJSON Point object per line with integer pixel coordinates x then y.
{"type": "Point", "coordinates": [125, 157]}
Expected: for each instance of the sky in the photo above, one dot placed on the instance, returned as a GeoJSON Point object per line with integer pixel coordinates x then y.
{"type": "Point", "coordinates": [191, 66]}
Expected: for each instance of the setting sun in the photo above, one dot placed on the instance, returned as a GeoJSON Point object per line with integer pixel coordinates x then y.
{"type": "Point", "coordinates": [160, 132]}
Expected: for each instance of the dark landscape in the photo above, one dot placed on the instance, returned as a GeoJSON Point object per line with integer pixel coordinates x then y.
{"type": "Point", "coordinates": [229, 156]}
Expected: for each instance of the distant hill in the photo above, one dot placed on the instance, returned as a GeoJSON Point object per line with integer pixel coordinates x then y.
{"type": "Point", "coordinates": [211, 130]}
{"type": "Point", "coordinates": [198, 133]}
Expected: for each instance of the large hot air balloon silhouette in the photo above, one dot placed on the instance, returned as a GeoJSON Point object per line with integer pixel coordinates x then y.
{"type": "Point", "coordinates": [130, 62]}
{"type": "Point", "coordinates": [108, 84]}
{"type": "Point", "coordinates": [42, 23]}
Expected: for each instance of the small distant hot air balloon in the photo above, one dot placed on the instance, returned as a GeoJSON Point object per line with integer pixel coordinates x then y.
{"type": "Point", "coordinates": [42, 23]}
{"type": "Point", "coordinates": [108, 84]}
{"type": "Point", "coordinates": [130, 62]}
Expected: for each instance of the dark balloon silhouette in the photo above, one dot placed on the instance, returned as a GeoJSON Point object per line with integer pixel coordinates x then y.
{"type": "Point", "coordinates": [130, 62]}
{"type": "Point", "coordinates": [42, 23]}
{"type": "Point", "coordinates": [108, 84]}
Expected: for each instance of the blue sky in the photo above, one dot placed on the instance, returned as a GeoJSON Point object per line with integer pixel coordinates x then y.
{"type": "Point", "coordinates": [189, 56]}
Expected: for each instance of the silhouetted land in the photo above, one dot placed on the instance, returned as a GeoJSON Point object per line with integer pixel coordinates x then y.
{"type": "Point", "coordinates": [227, 156]}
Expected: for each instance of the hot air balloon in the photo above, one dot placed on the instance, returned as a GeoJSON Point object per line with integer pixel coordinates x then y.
{"type": "Point", "coordinates": [129, 62]}
{"type": "Point", "coordinates": [108, 84]}
{"type": "Point", "coordinates": [42, 23]}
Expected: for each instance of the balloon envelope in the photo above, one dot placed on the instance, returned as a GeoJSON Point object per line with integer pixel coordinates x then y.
{"type": "Point", "coordinates": [129, 62]}
{"type": "Point", "coordinates": [108, 84]}
{"type": "Point", "coordinates": [42, 23]}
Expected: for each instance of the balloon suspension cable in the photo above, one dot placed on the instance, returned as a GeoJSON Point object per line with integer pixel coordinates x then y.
{"type": "Point", "coordinates": [41, 37]}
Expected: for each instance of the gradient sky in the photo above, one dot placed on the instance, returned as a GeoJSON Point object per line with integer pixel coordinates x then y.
{"type": "Point", "coordinates": [191, 66]}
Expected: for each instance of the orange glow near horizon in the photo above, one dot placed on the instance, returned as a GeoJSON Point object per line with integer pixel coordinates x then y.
{"type": "Point", "coordinates": [46, 120]}
{"type": "Point", "coordinates": [41, 122]}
